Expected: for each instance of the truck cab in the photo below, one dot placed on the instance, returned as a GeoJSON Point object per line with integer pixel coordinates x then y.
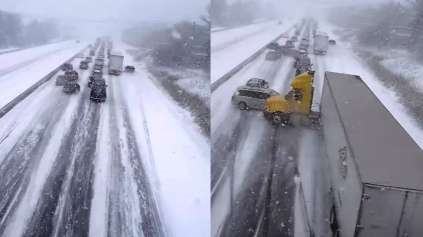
{"type": "Point", "coordinates": [295, 106]}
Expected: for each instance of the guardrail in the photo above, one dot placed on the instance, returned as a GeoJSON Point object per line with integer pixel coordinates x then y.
{"type": "Point", "coordinates": [9, 106]}
{"type": "Point", "coordinates": [232, 72]}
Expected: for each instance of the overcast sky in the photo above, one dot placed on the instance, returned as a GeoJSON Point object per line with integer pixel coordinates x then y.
{"type": "Point", "coordinates": [143, 10]}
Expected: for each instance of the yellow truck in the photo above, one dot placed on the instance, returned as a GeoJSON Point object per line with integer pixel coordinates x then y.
{"type": "Point", "coordinates": [296, 106]}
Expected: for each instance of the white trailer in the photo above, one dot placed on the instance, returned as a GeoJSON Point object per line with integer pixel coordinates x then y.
{"type": "Point", "coordinates": [115, 63]}
{"type": "Point", "coordinates": [376, 168]}
{"type": "Point", "coordinates": [321, 41]}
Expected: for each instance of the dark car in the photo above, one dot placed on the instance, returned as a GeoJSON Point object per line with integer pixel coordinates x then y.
{"type": "Point", "coordinates": [304, 45]}
{"type": "Point", "coordinates": [98, 73]}
{"type": "Point", "coordinates": [300, 61]}
{"type": "Point", "coordinates": [98, 67]}
{"type": "Point", "coordinates": [61, 80]}
{"type": "Point", "coordinates": [83, 65]}
{"type": "Point", "coordinates": [129, 68]}
{"type": "Point", "coordinates": [273, 45]}
{"type": "Point", "coordinates": [303, 65]}
{"type": "Point", "coordinates": [67, 66]}
{"type": "Point", "coordinates": [99, 61]}
{"type": "Point", "coordinates": [71, 87]}
{"type": "Point", "coordinates": [98, 90]}
{"type": "Point", "coordinates": [273, 55]}
{"type": "Point", "coordinates": [72, 75]}
{"type": "Point", "coordinates": [333, 42]}
{"type": "Point", "coordinates": [89, 59]}
{"type": "Point", "coordinates": [91, 79]}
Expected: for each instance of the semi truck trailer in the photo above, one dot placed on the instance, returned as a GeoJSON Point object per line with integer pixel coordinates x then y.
{"type": "Point", "coordinates": [321, 41]}
{"type": "Point", "coordinates": [376, 168]}
{"type": "Point", "coordinates": [115, 63]}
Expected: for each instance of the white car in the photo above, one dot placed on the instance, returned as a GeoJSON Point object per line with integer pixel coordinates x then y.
{"type": "Point", "coordinates": [80, 55]}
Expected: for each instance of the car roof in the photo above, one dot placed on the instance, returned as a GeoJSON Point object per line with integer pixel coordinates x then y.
{"type": "Point", "coordinates": [305, 60]}
{"type": "Point", "coordinates": [255, 80]}
{"type": "Point", "coordinates": [249, 88]}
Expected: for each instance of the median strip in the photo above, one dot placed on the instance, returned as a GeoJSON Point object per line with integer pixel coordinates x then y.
{"type": "Point", "coordinates": [9, 106]}
{"type": "Point", "coordinates": [232, 72]}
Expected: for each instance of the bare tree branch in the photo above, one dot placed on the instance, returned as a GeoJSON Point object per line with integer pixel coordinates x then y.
{"type": "Point", "coordinates": [206, 19]}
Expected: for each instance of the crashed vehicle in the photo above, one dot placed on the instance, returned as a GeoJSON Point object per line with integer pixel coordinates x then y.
{"type": "Point", "coordinates": [289, 44]}
{"type": "Point", "coordinates": [98, 90]}
{"type": "Point", "coordinates": [273, 45]}
{"type": "Point", "coordinates": [253, 95]}
{"type": "Point", "coordinates": [83, 65]}
{"type": "Point", "coordinates": [61, 80]}
{"type": "Point", "coordinates": [273, 55]}
{"type": "Point", "coordinates": [129, 68]}
{"type": "Point", "coordinates": [67, 66]}
{"type": "Point", "coordinates": [72, 75]}
{"type": "Point", "coordinates": [71, 87]}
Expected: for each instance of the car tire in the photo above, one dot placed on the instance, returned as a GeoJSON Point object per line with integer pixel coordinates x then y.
{"type": "Point", "coordinates": [242, 106]}
{"type": "Point", "coordinates": [280, 118]}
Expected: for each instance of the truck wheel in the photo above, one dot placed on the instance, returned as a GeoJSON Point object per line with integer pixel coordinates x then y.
{"type": "Point", "coordinates": [277, 119]}
{"type": "Point", "coordinates": [242, 106]}
{"type": "Point", "coordinates": [280, 118]}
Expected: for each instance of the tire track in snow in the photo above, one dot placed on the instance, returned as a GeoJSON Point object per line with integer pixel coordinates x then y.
{"type": "Point", "coordinates": [64, 209]}
{"type": "Point", "coordinates": [17, 167]}
{"type": "Point", "coordinates": [132, 206]}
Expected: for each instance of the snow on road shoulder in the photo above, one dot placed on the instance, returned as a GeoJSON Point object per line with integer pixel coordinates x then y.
{"type": "Point", "coordinates": [402, 63]}
{"type": "Point", "coordinates": [174, 152]}
{"type": "Point", "coordinates": [225, 60]}
{"type": "Point", "coordinates": [194, 81]}
{"type": "Point", "coordinates": [342, 60]}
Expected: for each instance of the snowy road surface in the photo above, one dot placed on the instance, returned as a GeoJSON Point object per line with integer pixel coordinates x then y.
{"type": "Point", "coordinates": [134, 165]}
{"type": "Point", "coordinates": [232, 47]}
{"type": "Point", "coordinates": [20, 70]}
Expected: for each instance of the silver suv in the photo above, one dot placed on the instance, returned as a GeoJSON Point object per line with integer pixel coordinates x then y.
{"type": "Point", "coordinates": [253, 95]}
